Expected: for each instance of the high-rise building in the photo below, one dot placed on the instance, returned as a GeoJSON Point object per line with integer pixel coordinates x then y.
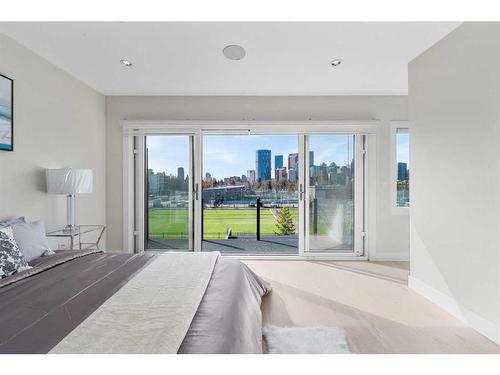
{"type": "Point", "coordinates": [281, 174]}
{"type": "Point", "coordinates": [292, 175]}
{"type": "Point", "coordinates": [323, 174]}
{"type": "Point", "coordinates": [293, 160]}
{"type": "Point", "coordinates": [402, 171]}
{"type": "Point", "coordinates": [278, 163]}
{"type": "Point", "coordinates": [311, 158]}
{"type": "Point", "coordinates": [180, 173]}
{"type": "Point", "coordinates": [243, 178]}
{"type": "Point", "coordinates": [263, 165]}
{"type": "Point", "coordinates": [314, 171]}
{"type": "Point", "coordinates": [251, 176]}
{"type": "Point", "coordinates": [208, 176]}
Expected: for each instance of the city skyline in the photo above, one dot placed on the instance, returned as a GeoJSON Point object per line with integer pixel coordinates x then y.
{"type": "Point", "coordinates": [226, 156]}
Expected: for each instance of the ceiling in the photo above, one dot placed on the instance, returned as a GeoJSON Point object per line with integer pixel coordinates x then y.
{"type": "Point", "coordinates": [185, 58]}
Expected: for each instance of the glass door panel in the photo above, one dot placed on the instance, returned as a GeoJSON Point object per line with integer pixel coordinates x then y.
{"type": "Point", "coordinates": [168, 186]}
{"type": "Point", "coordinates": [249, 192]}
{"type": "Point", "coordinates": [331, 192]}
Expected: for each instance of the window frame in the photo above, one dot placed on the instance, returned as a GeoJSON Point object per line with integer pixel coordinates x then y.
{"type": "Point", "coordinates": [393, 167]}
{"type": "Point", "coordinates": [134, 129]}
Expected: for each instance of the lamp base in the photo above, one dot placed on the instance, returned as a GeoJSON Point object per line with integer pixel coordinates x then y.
{"type": "Point", "coordinates": [69, 229]}
{"type": "Point", "coordinates": [70, 205]}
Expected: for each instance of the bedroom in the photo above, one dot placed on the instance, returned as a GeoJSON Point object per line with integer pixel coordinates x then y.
{"type": "Point", "coordinates": [244, 187]}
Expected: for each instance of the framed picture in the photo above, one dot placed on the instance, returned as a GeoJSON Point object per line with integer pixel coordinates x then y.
{"type": "Point", "coordinates": [6, 114]}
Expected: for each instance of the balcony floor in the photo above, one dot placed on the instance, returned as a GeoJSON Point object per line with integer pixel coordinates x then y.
{"type": "Point", "coordinates": [269, 245]}
{"type": "Point", "coordinates": [274, 245]}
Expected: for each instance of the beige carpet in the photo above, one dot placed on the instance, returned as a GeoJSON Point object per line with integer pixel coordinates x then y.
{"type": "Point", "coordinates": [370, 301]}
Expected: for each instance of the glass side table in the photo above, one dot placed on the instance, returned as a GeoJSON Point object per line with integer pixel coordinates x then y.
{"type": "Point", "coordinates": [77, 234]}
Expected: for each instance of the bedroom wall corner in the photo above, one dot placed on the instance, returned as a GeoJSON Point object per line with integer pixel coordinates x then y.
{"type": "Point", "coordinates": [454, 96]}
{"type": "Point", "coordinates": [58, 122]}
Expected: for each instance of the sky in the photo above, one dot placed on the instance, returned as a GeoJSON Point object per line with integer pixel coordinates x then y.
{"type": "Point", "coordinates": [233, 155]}
{"type": "Point", "coordinates": [403, 147]}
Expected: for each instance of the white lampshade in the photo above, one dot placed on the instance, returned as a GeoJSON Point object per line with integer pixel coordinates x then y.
{"type": "Point", "coordinates": [69, 181]}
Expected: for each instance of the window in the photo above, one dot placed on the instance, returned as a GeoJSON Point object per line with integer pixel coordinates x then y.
{"type": "Point", "coordinates": [401, 165]}
{"type": "Point", "coordinates": [264, 190]}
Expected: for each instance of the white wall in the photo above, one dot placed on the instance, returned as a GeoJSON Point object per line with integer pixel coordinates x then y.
{"type": "Point", "coordinates": [58, 122]}
{"type": "Point", "coordinates": [392, 231]}
{"type": "Point", "coordinates": [454, 110]}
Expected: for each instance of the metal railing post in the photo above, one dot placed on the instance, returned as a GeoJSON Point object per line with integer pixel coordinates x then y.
{"type": "Point", "coordinates": [258, 219]}
{"type": "Point", "coordinates": [315, 216]}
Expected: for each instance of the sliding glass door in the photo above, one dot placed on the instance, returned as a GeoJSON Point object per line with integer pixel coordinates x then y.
{"type": "Point", "coordinates": [168, 199]}
{"type": "Point", "coordinates": [250, 198]}
{"type": "Point", "coordinates": [334, 194]}
{"type": "Point", "coordinates": [243, 194]}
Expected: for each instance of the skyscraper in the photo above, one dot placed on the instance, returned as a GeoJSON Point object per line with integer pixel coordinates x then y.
{"type": "Point", "coordinates": [278, 163]}
{"type": "Point", "coordinates": [251, 176]}
{"type": "Point", "coordinates": [281, 175]}
{"type": "Point", "coordinates": [293, 160]}
{"type": "Point", "coordinates": [402, 171]}
{"type": "Point", "coordinates": [180, 173]}
{"type": "Point", "coordinates": [263, 165]}
{"type": "Point", "coordinates": [311, 158]}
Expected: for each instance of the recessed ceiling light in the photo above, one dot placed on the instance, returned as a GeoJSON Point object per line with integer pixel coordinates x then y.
{"type": "Point", "coordinates": [126, 62]}
{"type": "Point", "coordinates": [336, 62]}
{"type": "Point", "coordinates": [234, 52]}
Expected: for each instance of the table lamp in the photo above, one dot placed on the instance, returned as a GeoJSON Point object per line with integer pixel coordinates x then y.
{"type": "Point", "coordinates": [69, 182]}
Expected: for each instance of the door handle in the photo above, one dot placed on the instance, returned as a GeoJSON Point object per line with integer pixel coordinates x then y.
{"type": "Point", "coordinates": [196, 192]}
{"type": "Point", "coordinates": [301, 192]}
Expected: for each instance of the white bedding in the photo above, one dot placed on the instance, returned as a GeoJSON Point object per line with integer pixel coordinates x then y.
{"type": "Point", "coordinates": [151, 313]}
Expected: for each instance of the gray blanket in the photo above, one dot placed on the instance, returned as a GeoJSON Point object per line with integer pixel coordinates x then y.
{"type": "Point", "coordinates": [38, 311]}
{"type": "Point", "coordinates": [229, 319]}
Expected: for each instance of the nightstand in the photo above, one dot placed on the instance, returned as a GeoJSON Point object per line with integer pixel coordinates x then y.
{"type": "Point", "coordinates": [77, 233]}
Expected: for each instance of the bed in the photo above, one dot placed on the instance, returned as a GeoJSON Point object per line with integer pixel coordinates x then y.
{"type": "Point", "coordinates": [89, 301]}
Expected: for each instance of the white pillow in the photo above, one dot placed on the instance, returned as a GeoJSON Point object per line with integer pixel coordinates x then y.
{"type": "Point", "coordinates": [31, 239]}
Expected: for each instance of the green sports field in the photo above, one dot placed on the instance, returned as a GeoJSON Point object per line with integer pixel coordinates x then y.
{"type": "Point", "coordinates": [171, 223]}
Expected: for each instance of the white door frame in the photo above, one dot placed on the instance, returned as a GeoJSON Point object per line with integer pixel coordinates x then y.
{"type": "Point", "coordinates": [135, 129]}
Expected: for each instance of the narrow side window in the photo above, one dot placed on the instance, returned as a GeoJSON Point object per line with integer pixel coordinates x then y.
{"type": "Point", "coordinates": [403, 167]}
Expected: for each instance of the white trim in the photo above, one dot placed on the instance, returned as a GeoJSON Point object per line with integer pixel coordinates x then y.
{"type": "Point", "coordinates": [303, 197]}
{"type": "Point", "coordinates": [128, 193]}
{"type": "Point", "coordinates": [393, 168]}
{"type": "Point", "coordinates": [197, 128]}
{"type": "Point", "coordinates": [138, 127]}
{"type": "Point", "coordinates": [198, 203]}
{"type": "Point", "coordinates": [348, 257]}
{"type": "Point", "coordinates": [371, 195]}
{"type": "Point", "coordinates": [390, 258]}
{"type": "Point", "coordinates": [450, 305]}
{"type": "Point", "coordinates": [191, 189]}
{"type": "Point", "coordinates": [140, 202]}
{"type": "Point", "coordinates": [360, 211]}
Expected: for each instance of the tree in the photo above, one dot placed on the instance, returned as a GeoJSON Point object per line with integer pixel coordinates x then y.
{"type": "Point", "coordinates": [285, 226]}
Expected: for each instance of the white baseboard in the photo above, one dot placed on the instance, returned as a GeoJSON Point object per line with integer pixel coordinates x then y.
{"type": "Point", "coordinates": [390, 257]}
{"type": "Point", "coordinates": [447, 303]}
